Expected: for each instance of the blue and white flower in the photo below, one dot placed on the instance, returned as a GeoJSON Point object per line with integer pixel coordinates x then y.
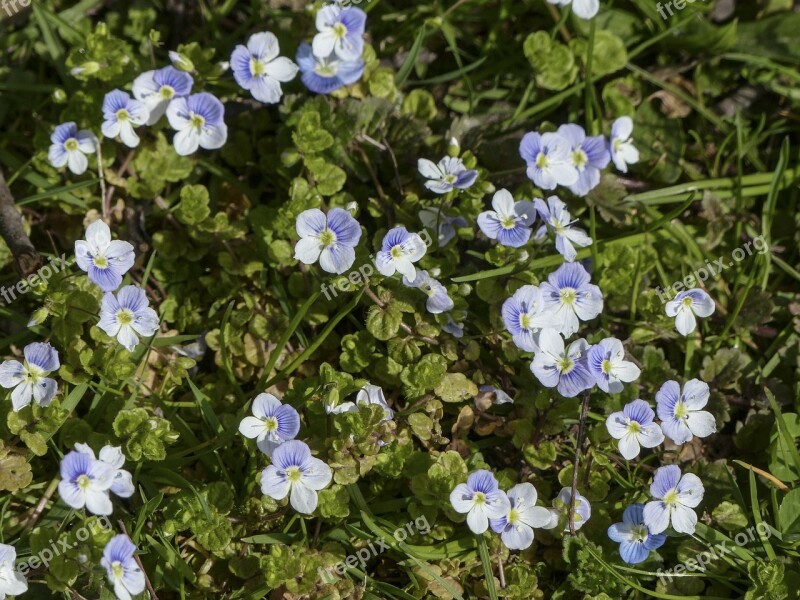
{"type": "Point", "coordinates": [557, 219]}
{"type": "Point", "coordinates": [585, 9]}
{"type": "Point", "coordinates": [294, 472]}
{"type": "Point", "coordinates": [583, 510]}
{"type": "Point", "coordinates": [453, 327]}
{"type": "Point", "coordinates": [399, 251]}
{"type": "Point", "coordinates": [569, 298]}
{"type": "Point", "coordinates": [121, 567]}
{"type": "Point", "coordinates": [324, 75]}
{"type": "Point", "coordinates": [180, 61]}
{"type": "Point", "coordinates": [331, 239]}
{"type": "Point", "coordinates": [562, 368]}
{"type": "Point", "coordinates": [373, 394]}
{"type": "Point", "coordinates": [198, 120]}
{"type": "Point", "coordinates": [29, 378]}
{"type": "Point", "coordinates": [258, 68]}
{"type": "Point", "coordinates": [369, 394]}
{"type": "Point", "coordinates": [445, 227]}
{"type": "Point", "coordinates": [122, 480]}
{"type": "Point", "coordinates": [623, 152]}
{"type": "Point", "coordinates": [510, 222]}
{"type": "Point", "coordinates": [681, 413]}
{"type": "Point", "coordinates": [156, 89]}
{"type": "Point", "coordinates": [127, 314]}
{"type": "Point", "coordinates": [500, 397]}
{"type": "Point", "coordinates": [676, 497]}
{"type": "Point", "coordinates": [121, 114]}
{"type": "Point", "coordinates": [549, 160]}
{"type": "Point", "coordinates": [633, 426]}
{"type": "Point", "coordinates": [438, 300]}
{"type": "Point", "coordinates": [688, 304]}
{"type": "Point", "coordinates": [69, 147]}
{"type": "Point", "coordinates": [272, 423]}
{"type": "Point", "coordinates": [341, 32]}
{"type": "Point", "coordinates": [449, 174]}
{"type": "Point", "coordinates": [608, 366]}
{"type": "Point", "coordinates": [480, 499]}
{"type": "Point", "coordinates": [589, 156]}
{"type": "Point", "coordinates": [635, 539]}
{"type": "Point", "coordinates": [517, 525]}
{"type": "Point", "coordinates": [85, 482]}
{"type": "Point", "coordinates": [518, 314]}
{"type": "Point", "coordinates": [105, 260]}
{"type": "Point", "coordinates": [12, 582]}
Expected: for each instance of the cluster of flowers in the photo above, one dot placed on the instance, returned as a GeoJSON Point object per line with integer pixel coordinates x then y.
{"type": "Point", "coordinates": [122, 316]}
{"type": "Point", "coordinates": [541, 318]}
{"type": "Point", "coordinates": [294, 472]}
{"type": "Point", "coordinates": [332, 61]}
{"type": "Point", "coordinates": [513, 514]}
{"type": "Point", "coordinates": [332, 239]}
{"type": "Point", "coordinates": [572, 159]}
{"type": "Point", "coordinates": [88, 480]}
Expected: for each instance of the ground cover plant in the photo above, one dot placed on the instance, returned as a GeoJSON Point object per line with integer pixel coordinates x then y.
{"type": "Point", "coordinates": [378, 299]}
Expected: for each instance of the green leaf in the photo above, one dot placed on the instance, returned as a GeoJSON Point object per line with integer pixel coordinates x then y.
{"type": "Point", "coordinates": [193, 207]}
{"type": "Point", "coordinates": [309, 135]}
{"type": "Point", "coordinates": [552, 62]}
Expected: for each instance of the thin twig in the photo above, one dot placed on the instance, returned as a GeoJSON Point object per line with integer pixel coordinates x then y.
{"type": "Point", "coordinates": [26, 258]}
{"type": "Point", "coordinates": [576, 463]}
{"type": "Point", "coordinates": [153, 595]}
{"type": "Point", "coordinates": [500, 571]}
{"type": "Point", "coordinates": [105, 207]}
{"type": "Point", "coordinates": [37, 512]}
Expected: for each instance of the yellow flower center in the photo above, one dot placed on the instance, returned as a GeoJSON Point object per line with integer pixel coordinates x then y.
{"type": "Point", "coordinates": [509, 222]}
{"type": "Point", "coordinates": [83, 481]}
{"type": "Point", "coordinates": [541, 160]}
{"type": "Point", "coordinates": [270, 423]}
{"type": "Point", "coordinates": [567, 295]}
{"type": "Point", "coordinates": [293, 474]}
{"type": "Point", "coordinates": [122, 114]}
{"type": "Point", "coordinates": [117, 569]}
{"type": "Point", "coordinates": [339, 30]}
{"type": "Point", "coordinates": [125, 317]}
{"type": "Point", "coordinates": [671, 497]}
{"type": "Point", "coordinates": [101, 262]}
{"type": "Point", "coordinates": [606, 366]}
{"type": "Point", "coordinates": [71, 145]}
{"type": "Point", "coordinates": [257, 67]}
{"type": "Point", "coordinates": [479, 498]}
{"type": "Point", "coordinates": [327, 237]}
{"type": "Point", "coordinates": [681, 411]}
{"type": "Point", "coordinates": [580, 159]}
{"type": "Point", "coordinates": [166, 92]}
{"type": "Point", "coordinates": [197, 121]}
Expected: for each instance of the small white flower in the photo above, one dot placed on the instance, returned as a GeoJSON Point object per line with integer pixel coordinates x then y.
{"type": "Point", "coordinates": [623, 152]}
{"type": "Point", "coordinates": [686, 305]}
{"type": "Point", "coordinates": [12, 582]}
